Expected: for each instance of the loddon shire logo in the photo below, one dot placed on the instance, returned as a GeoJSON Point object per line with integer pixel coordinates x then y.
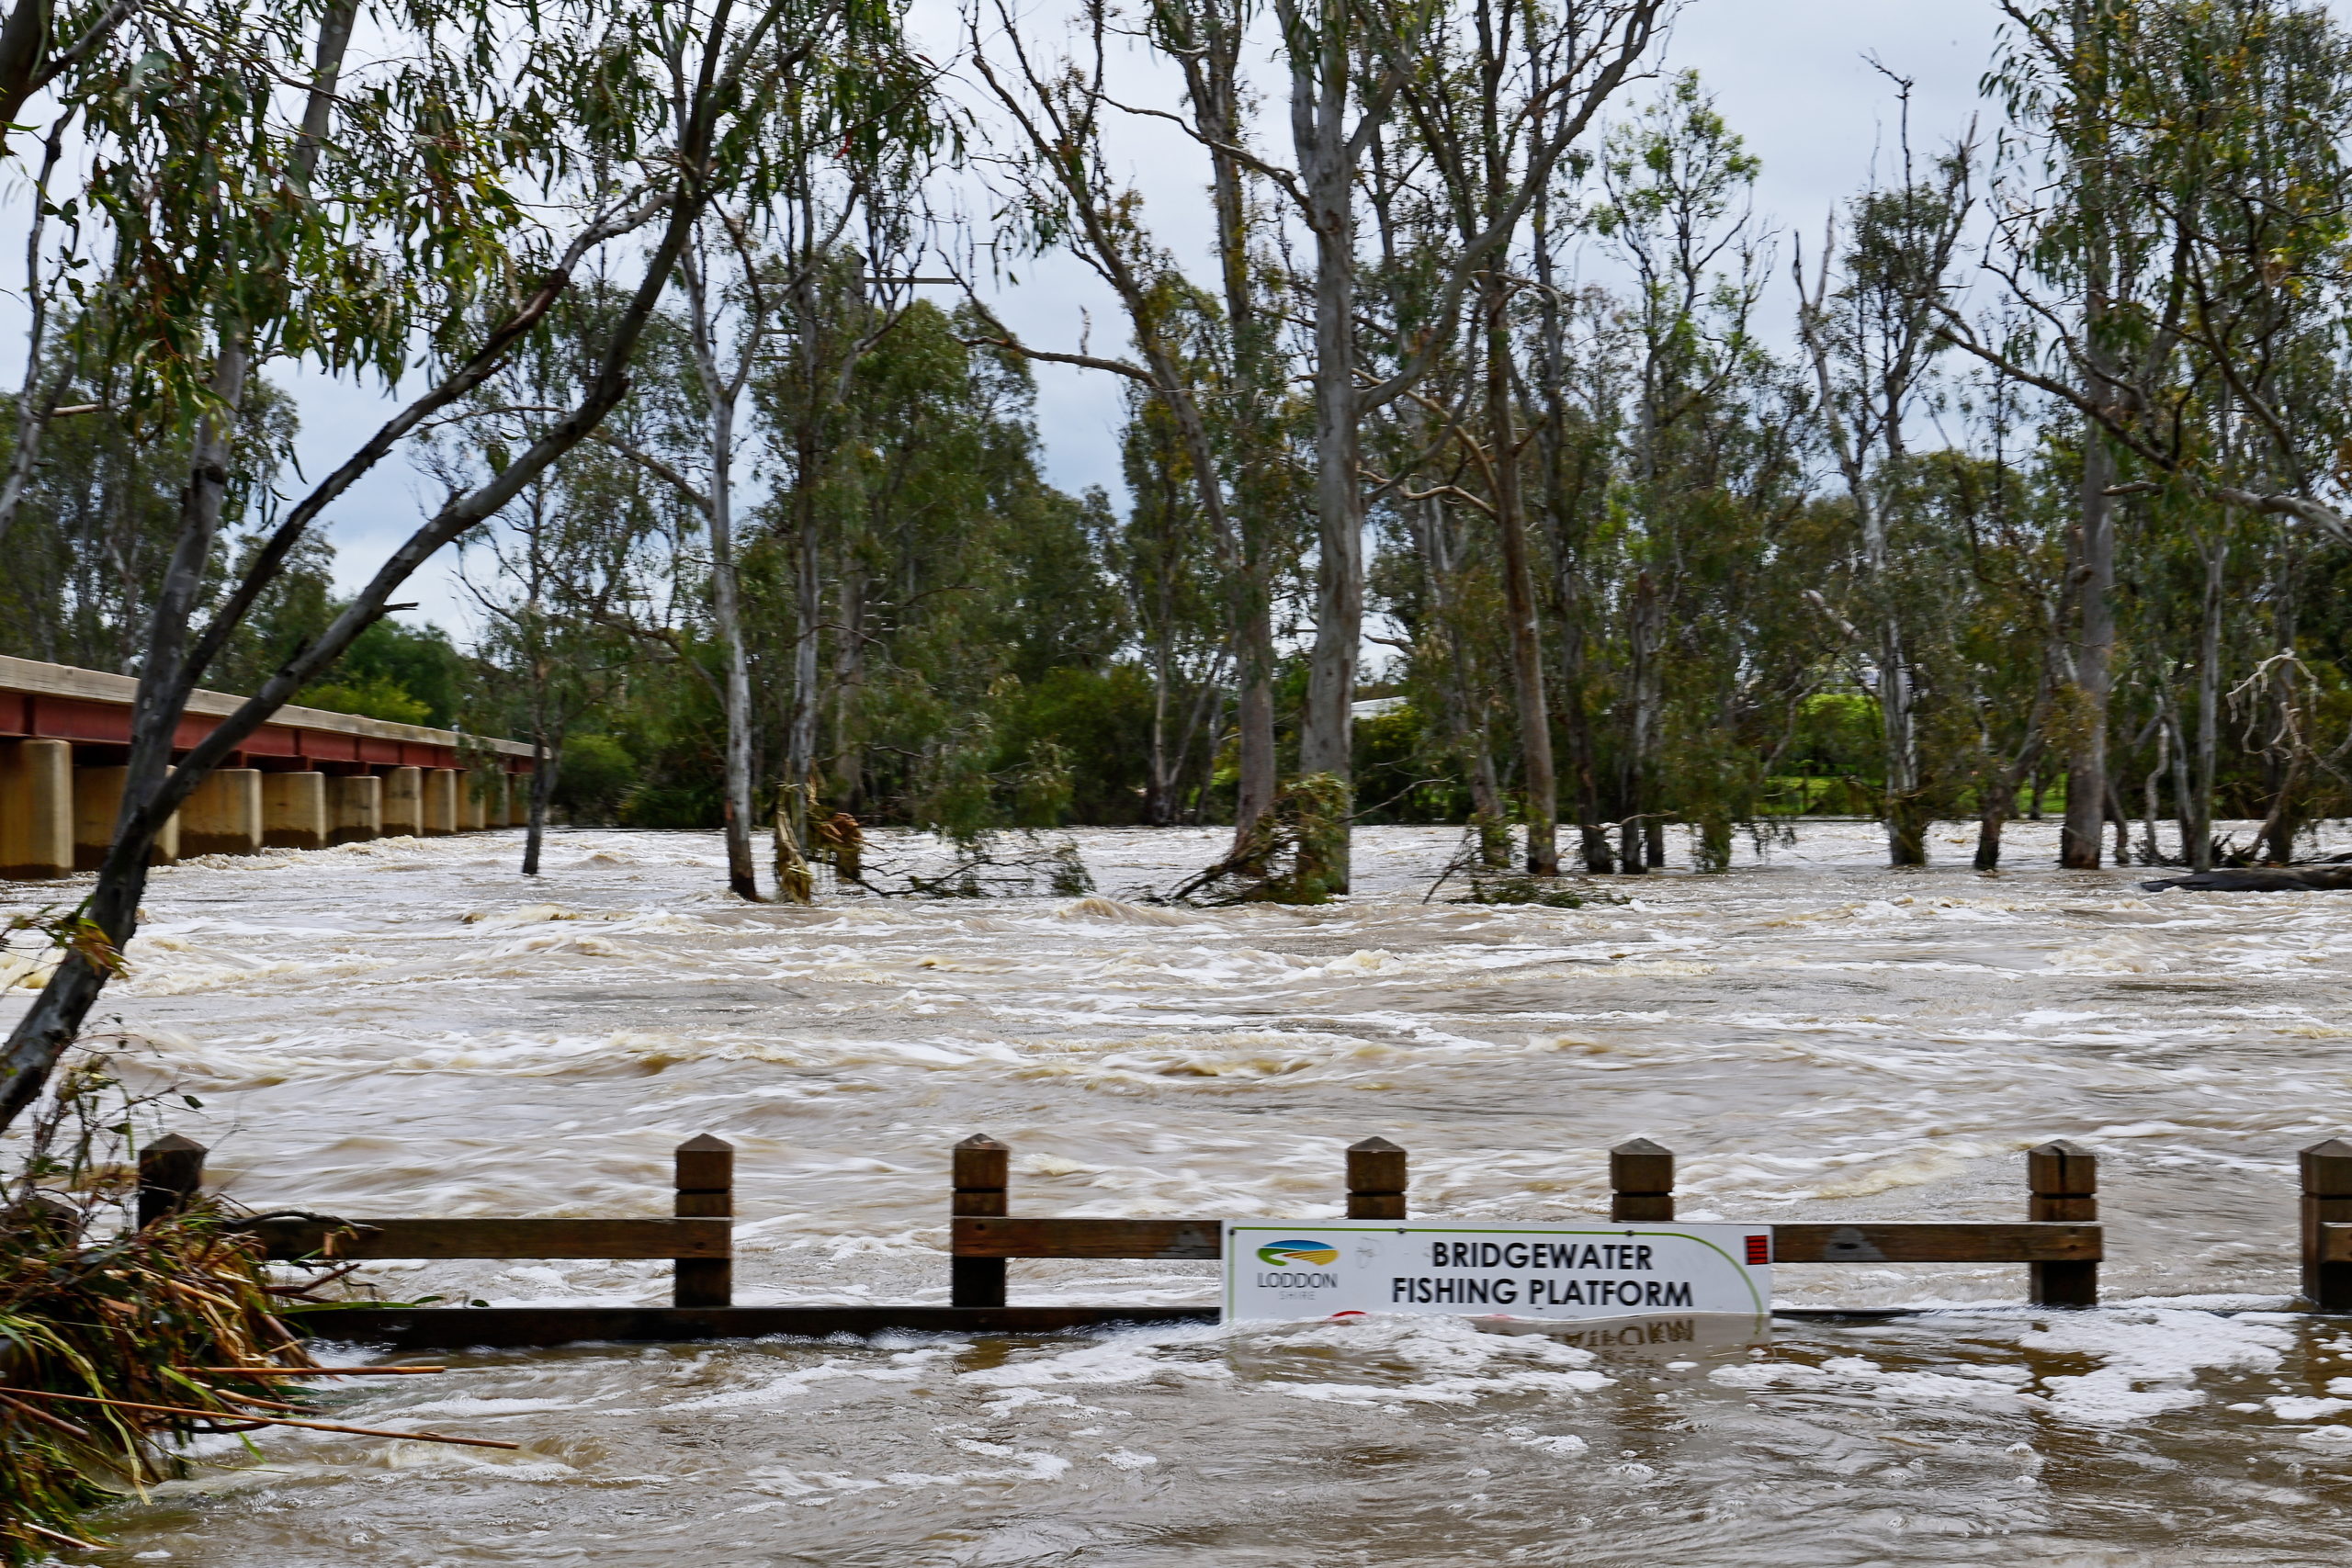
{"type": "Point", "coordinates": [1280, 1253]}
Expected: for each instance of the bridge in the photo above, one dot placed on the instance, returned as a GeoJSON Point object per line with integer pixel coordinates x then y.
{"type": "Point", "coordinates": [305, 779]}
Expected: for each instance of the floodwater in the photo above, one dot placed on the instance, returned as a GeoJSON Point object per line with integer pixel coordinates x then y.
{"type": "Point", "coordinates": [410, 1027]}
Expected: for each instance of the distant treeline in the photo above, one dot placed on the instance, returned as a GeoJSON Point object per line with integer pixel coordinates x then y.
{"type": "Point", "coordinates": [2013, 488]}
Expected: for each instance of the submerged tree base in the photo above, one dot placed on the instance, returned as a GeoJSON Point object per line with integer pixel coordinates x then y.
{"type": "Point", "coordinates": [1296, 854]}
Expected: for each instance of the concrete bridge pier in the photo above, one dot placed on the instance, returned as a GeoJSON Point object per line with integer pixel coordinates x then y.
{"type": "Point", "coordinates": [404, 802]}
{"type": "Point", "coordinates": [440, 802]}
{"type": "Point", "coordinates": [222, 815]}
{"type": "Point", "coordinates": [97, 800]}
{"type": "Point", "coordinates": [356, 808]}
{"type": "Point", "coordinates": [35, 808]}
{"type": "Point", "coordinates": [294, 810]}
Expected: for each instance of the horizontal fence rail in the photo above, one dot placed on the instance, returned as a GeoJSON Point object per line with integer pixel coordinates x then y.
{"type": "Point", "coordinates": [2061, 1242]}
{"type": "Point", "coordinates": [616, 1240]}
{"type": "Point", "coordinates": [1193, 1240]}
{"type": "Point", "coordinates": [1938, 1241]}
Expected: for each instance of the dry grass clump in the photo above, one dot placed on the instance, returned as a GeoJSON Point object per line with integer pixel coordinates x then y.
{"type": "Point", "coordinates": [100, 1315]}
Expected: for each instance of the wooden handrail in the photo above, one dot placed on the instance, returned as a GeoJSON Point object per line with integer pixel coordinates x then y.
{"type": "Point", "coordinates": [1940, 1241]}
{"type": "Point", "coordinates": [493, 1237]}
{"type": "Point", "coordinates": [1200, 1240]}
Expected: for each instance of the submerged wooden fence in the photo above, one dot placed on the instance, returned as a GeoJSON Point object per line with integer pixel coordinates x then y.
{"type": "Point", "coordinates": [2061, 1241]}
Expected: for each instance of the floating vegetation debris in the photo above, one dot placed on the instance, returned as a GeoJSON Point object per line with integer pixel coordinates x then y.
{"type": "Point", "coordinates": [993, 865]}
{"type": "Point", "coordinates": [1549, 892]}
{"type": "Point", "coordinates": [119, 1339]}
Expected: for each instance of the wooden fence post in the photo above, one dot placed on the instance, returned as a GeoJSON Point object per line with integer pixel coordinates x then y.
{"type": "Point", "coordinates": [2327, 1200]}
{"type": "Point", "coordinates": [171, 1173]}
{"type": "Point", "coordinates": [1641, 1181]}
{"type": "Point", "coordinates": [1375, 1181]}
{"type": "Point", "coordinates": [2062, 1178]}
{"type": "Point", "coordinates": [706, 1191]}
{"type": "Point", "coordinates": [982, 1172]}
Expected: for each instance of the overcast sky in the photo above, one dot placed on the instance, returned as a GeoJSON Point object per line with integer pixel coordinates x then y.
{"type": "Point", "coordinates": [1791, 76]}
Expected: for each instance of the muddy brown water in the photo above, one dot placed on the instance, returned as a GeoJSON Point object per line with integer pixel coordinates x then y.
{"type": "Point", "coordinates": [411, 1027]}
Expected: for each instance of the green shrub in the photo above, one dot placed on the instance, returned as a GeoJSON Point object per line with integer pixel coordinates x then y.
{"type": "Point", "coordinates": [596, 778]}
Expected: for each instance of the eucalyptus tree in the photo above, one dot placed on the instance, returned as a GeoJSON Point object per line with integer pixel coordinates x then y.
{"type": "Point", "coordinates": [1206, 39]}
{"type": "Point", "coordinates": [1871, 341]}
{"type": "Point", "coordinates": [1579, 342]}
{"type": "Point", "coordinates": [779, 314]}
{"type": "Point", "coordinates": [530, 138]}
{"type": "Point", "coordinates": [960, 584]}
{"type": "Point", "coordinates": [1674, 185]}
{"type": "Point", "coordinates": [1171, 565]}
{"type": "Point", "coordinates": [1347, 62]}
{"type": "Point", "coordinates": [1219, 372]}
{"type": "Point", "coordinates": [1505, 89]}
{"type": "Point", "coordinates": [561, 571]}
{"type": "Point", "coordinates": [1062, 194]}
{"type": "Point", "coordinates": [853, 149]}
{"type": "Point", "coordinates": [568, 578]}
{"type": "Point", "coordinates": [846, 276]}
{"type": "Point", "coordinates": [2175, 229]}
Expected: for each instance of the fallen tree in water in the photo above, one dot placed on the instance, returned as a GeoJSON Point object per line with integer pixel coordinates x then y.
{"type": "Point", "coordinates": [1295, 853]}
{"type": "Point", "coordinates": [2261, 879]}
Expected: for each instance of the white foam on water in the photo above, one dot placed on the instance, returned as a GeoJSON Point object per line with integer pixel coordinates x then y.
{"type": "Point", "coordinates": [2152, 1359]}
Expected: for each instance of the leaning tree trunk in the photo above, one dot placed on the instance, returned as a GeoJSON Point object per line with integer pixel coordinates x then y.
{"type": "Point", "coordinates": [49, 1027]}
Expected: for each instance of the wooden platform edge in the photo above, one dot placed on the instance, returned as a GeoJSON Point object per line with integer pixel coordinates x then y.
{"type": "Point", "coordinates": [408, 1328]}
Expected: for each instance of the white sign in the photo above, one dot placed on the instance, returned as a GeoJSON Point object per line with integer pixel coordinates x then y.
{"type": "Point", "coordinates": [1286, 1269]}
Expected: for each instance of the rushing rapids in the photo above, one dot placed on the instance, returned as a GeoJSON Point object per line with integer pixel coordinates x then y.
{"type": "Point", "coordinates": [410, 1027]}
